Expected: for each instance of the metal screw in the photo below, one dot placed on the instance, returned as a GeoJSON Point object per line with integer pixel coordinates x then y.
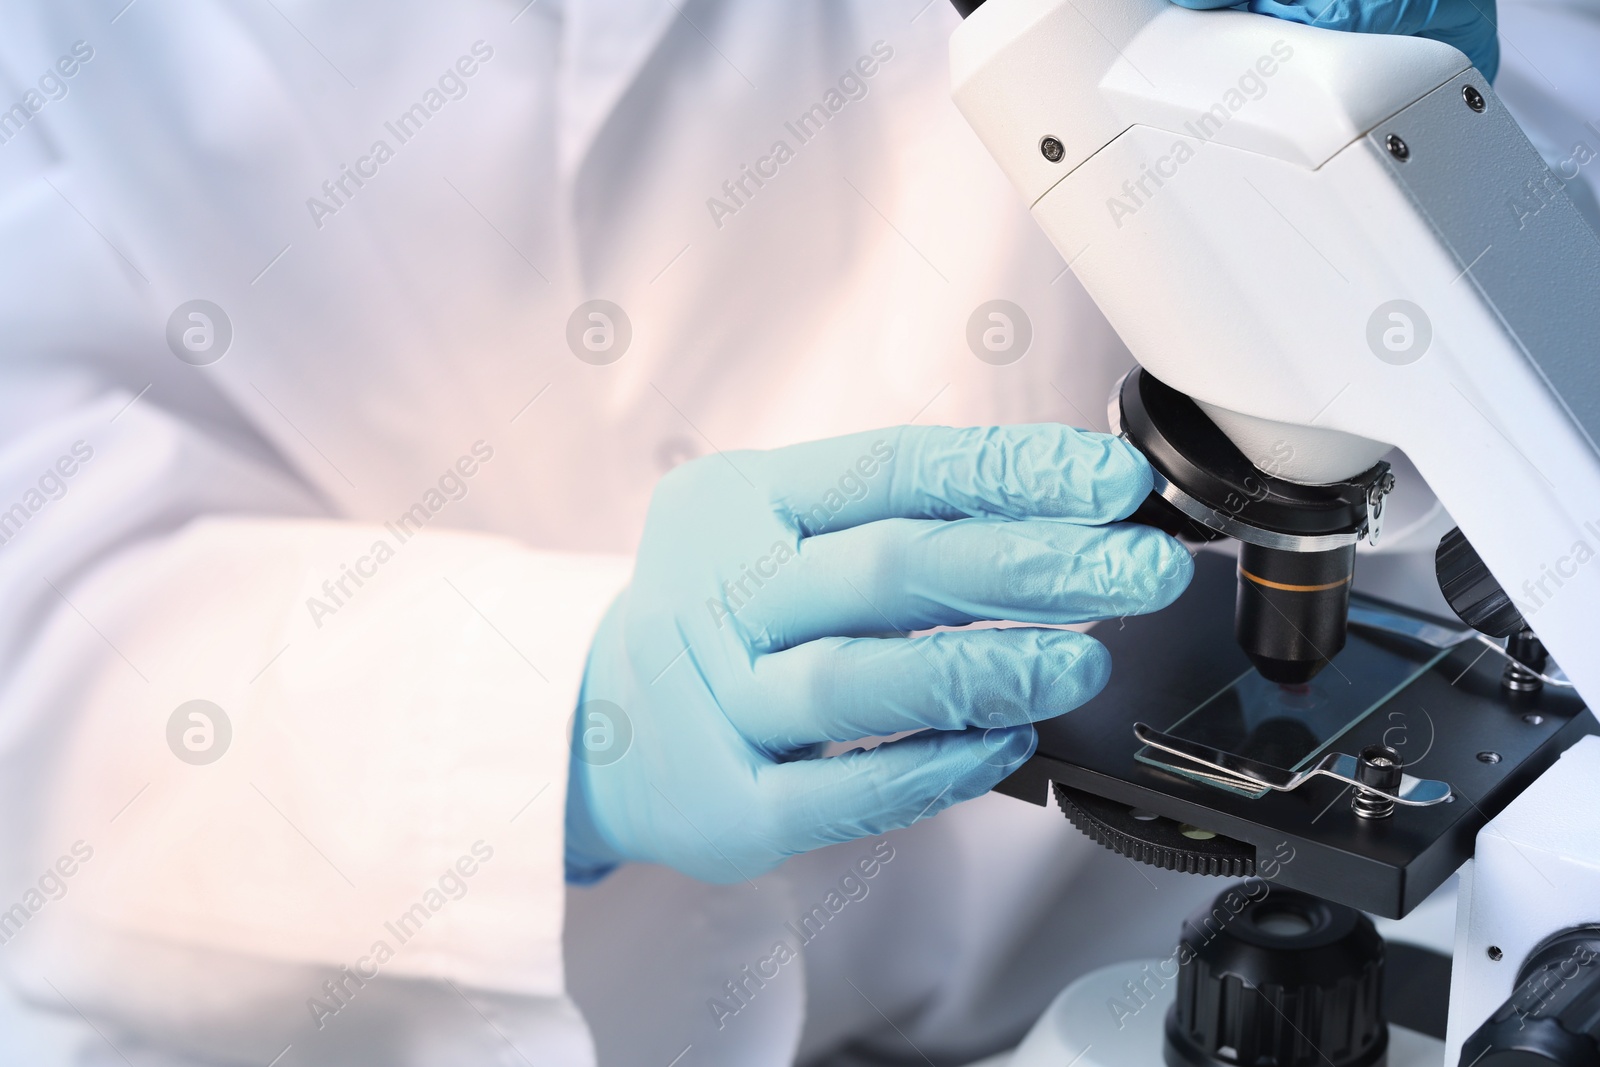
{"type": "Point", "coordinates": [1474, 99]}
{"type": "Point", "coordinates": [1053, 149]}
{"type": "Point", "coordinates": [1495, 953]}
{"type": "Point", "coordinates": [1533, 719]}
{"type": "Point", "coordinates": [1379, 766]}
{"type": "Point", "coordinates": [1526, 659]}
{"type": "Point", "coordinates": [1488, 757]}
{"type": "Point", "coordinates": [1397, 148]}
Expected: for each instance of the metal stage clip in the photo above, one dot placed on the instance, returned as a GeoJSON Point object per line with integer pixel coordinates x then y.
{"type": "Point", "coordinates": [1226, 768]}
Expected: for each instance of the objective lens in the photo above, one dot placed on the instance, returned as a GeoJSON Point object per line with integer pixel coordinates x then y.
{"type": "Point", "coordinates": [1292, 609]}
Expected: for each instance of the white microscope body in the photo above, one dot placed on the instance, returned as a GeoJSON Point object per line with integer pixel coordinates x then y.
{"type": "Point", "coordinates": [1224, 189]}
{"type": "Point", "coordinates": [1337, 244]}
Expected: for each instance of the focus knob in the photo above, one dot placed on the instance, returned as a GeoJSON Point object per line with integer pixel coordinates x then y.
{"type": "Point", "coordinates": [1553, 1016]}
{"type": "Point", "coordinates": [1472, 591]}
{"type": "Point", "coordinates": [1281, 980]}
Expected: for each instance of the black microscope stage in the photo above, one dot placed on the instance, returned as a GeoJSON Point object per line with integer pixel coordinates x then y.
{"type": "Point", "coordinates": [1452, 722]}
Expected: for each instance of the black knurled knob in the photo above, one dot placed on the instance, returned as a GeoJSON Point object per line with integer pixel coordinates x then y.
{"type": "Point", "coordinates": [1271, 977]}
{"type": "Point", "coordinates": [1553, 1016]}
{"type": "Point", "coordinates": [1472, 591]}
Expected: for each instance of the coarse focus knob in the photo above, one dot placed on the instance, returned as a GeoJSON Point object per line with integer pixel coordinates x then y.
{"type": "Point", "coordinates": [1272, 977]}
{"type": "Point", "coordinates": [1472, 591]}
{"type": "Point", "coordinates": [1553, 1016]}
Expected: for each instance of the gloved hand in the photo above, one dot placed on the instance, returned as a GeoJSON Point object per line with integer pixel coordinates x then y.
{"type": "Point", "coordinates": [753, 632]}
{"type": "Point", "coordinates": [1465, 24]}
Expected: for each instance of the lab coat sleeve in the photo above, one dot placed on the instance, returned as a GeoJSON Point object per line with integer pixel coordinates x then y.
{"type": "Point", "coordinates": [375, 780]}
{"type": "Point", "coordinates": [379, 786]}
{"type": "Point", "coordinates": [388, 710]}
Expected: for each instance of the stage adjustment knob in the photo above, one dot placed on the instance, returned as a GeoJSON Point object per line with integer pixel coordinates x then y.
{"type": "Point", "coordinates": [1270, 977]}
{"type": "Point", "coordinates": [1553, 1016]}
{"type": "Point", "coordinates": [1472, 591]}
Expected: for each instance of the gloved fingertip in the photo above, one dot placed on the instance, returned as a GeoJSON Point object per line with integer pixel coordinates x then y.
{"type": "Point", "coordinates": [1091, 671]}
{"type": "Point", "coordinates": [1021, 741]}
{"type": "Point", "coordinates": [1169, 565]}
{"type": "Point", "coordinates": [1151, 571]}
{"type": "Point", "coordinates": [1177, 564]}
{"type": "Point", "coordinates": [998, 752]}
{"type": "Point", "coordinates": [1126, 477]}
{"type": "Point", "coordinates": [1069, 668]}
{"type": "Point", "coordinates": [1172, 570]}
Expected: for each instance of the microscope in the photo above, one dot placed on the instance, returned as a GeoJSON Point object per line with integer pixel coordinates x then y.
{"type": "Point", "coordinates": [1320, 248]}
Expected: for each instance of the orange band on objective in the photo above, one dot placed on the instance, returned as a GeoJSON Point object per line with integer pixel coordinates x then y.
{"type": "Point", "coordinates": [1295, 588]}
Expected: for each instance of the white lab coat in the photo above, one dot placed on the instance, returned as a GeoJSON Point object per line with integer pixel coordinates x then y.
{"type": "Point", "coordinates": [399, 348]}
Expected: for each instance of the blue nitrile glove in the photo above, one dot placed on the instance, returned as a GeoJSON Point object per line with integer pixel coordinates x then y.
{"type": "Point", "coordinates": [1465, 24]}
{"type": "Point", "coordinates": [753, 632]}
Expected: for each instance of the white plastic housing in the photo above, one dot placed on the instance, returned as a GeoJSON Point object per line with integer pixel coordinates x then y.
{"type": "Point", "coordinates": [1084, 71]}
{"type": "Point", "coordinates": [1248, 275]}
{"type": "Point", "coordinates": [1535, 873]}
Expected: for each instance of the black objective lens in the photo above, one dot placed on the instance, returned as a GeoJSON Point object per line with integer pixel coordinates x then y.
{"type": "Point", "coordinates": [1292, 609]}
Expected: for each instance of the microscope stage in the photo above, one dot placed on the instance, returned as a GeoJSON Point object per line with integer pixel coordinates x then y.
{"type": "Point", "coordinates": [1179, 670]}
